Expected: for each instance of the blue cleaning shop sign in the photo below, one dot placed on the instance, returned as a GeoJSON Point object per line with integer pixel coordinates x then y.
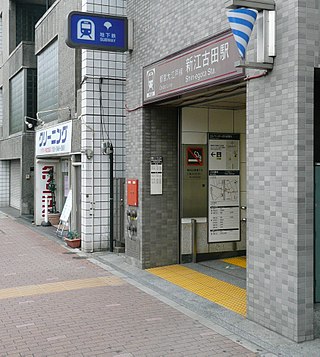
{"type": "Point", "coordinates": [97, 31]}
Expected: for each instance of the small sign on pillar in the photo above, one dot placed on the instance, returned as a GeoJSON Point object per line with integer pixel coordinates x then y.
{"type": "Point", "coordinates": [156, 175]}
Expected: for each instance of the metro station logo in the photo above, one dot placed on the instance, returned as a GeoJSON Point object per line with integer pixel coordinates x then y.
{"type": "Point", "coordinates": [150, 83]}
{"type": "Point", "coordinates": [86, 30]}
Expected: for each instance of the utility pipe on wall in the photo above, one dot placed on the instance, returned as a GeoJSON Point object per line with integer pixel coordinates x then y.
{"type": "Point", "coordinates": [111, 194]}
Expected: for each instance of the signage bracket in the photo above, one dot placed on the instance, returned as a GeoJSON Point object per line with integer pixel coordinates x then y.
{"type": "Point", "coordinates": [266, 31]}
{"type": "Point", "coordinates": [253, 65]}
{"type": "Point", "coordinates": [253, 4]}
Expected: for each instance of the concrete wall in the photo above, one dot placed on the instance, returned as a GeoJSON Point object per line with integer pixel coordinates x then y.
{"type": "Point", "coordinates": [19, 145]}
{"type": "Point", "coordinates": [27, 171]}
{"type": "Point", "coordinates": [4, 8]}
{"type": "Point", "coordinates": [21, 57]}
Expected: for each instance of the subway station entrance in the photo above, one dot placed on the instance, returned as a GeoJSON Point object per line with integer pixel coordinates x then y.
{"type": "Point", "coordinates": [212, 177]}
{"type": "Point", "coordinates": [212, 173]}
{"type": "Point", "coordinates": [205, 147]}
{"type": "Point", "coordinates": [209, 94]}
{"type": "Point", "coordinates": [211, 120]}
{"type": "Point", "coordinates": [212, 196]}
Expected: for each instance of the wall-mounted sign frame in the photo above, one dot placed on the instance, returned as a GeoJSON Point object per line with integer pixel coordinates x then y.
{"type": "Point", "coordinates": [195, 156]}
{"type": "Point", "coordinates": [223, 187]}
{"type": "Point", "coordinates": [202, 65]}
{"type": "Point", "coordinates": [156, 166]}
{"type": "Point", "coordinates": [55, 140]}
{"type": "Point", "coordinates": [97, 31]}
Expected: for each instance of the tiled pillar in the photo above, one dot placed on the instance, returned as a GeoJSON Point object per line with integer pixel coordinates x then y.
{"type": "Point", "coordinates": [280, 179]}
{"type": "Point", "coordinates": [105, 73]}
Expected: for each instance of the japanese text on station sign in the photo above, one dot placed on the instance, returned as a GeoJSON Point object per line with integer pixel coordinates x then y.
{"type": "Point", "coordinates": [208, 63]}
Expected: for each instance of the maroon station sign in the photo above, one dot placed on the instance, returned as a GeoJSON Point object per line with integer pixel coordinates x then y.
{"type": "Point", "coordinates": [208, 63]}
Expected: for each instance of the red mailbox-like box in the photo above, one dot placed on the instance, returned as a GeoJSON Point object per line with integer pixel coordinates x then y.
{"type": "Point", "coordinates": [132, 192]}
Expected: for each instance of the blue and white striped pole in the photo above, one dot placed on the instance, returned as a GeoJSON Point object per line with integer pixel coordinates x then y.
{"type": "Point", "coordinates": [242, 22]}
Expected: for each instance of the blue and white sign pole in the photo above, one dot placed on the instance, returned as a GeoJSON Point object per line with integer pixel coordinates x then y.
{"type": "Point", "coordinates": [242, 22]}
{"type": "Point", "coordinates": [97, 31]}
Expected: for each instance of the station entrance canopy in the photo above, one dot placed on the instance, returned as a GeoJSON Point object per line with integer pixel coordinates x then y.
{"type": "Point", "coordinates": [209, 63]}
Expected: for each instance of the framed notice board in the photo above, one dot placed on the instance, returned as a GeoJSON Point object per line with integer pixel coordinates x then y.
{"type": "Point", "coordinates": [223, 187]}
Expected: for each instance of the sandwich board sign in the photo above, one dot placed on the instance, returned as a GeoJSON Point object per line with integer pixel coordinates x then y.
{"type": "Point", "coordinates": [66, 208]}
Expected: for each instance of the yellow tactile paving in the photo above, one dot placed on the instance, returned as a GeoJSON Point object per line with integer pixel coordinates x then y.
{"type": "Point", "coordinates": [68, 285]}
{"type": "Point", "coordinates": [239, 261]}
{"type": "Point", "coordinates": [227, 295]}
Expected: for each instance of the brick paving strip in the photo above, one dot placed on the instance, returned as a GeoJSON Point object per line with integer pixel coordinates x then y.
{"type": "Point", "coordinates": [54, 305]}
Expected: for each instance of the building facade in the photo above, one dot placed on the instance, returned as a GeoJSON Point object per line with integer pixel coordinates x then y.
{"type": "Point", "coordinates": [60, 109]}
{"type": "Point", "coordinates": [82, 92]}
{"type": "Point", "coordinates": [194, 128]}
{"type": "Point", "coordinates": [58, 136]}
{"type": "Point", "coordinates": [18, 93]}
{"type": "Point", "coordinates": [218, 160]}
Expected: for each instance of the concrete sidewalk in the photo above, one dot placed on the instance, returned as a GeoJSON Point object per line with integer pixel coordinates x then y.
{"type": "Point", "coordinates": [58, 303]}
{"type": "Point", "coordinates": [233, 330]}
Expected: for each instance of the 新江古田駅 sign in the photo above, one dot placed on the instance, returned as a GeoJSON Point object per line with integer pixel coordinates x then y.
{"type": "Point", "coordinates": [208, 63]}
{"type": "Point", "coordinates": [97, 31]}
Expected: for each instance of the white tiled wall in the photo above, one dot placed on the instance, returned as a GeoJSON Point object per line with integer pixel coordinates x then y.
{"type": "Point", "coordinates": [105, 72]}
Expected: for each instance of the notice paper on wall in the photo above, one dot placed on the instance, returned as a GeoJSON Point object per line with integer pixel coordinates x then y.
{"type": "Point", "coordinates": [156, 175]}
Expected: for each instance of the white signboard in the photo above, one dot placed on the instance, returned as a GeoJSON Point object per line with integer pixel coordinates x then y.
{"type": "Point", "coordinates": [156, 175]}
{"type": "Point", "coordinates": [224, 223]}
{"type": "Point", "coordinates": [66, 208]}
{"type": "Point", "coordinates": [223, 188]}
{"type": "Point", "coordinates": [54, 140]}
{"type": "Point", "coordinates": [224, 154]}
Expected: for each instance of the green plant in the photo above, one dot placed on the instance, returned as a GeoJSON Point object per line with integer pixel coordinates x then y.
{"type": "Point", "coordinates": [73, 235]}
{"type": "Point", "coordinates": [52, 189]}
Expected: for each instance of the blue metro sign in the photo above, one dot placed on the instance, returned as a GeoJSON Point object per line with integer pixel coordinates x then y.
{"type": "Point", "coordinates": [97, 31]}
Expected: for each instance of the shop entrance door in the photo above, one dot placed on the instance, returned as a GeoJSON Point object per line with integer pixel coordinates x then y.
{"type": "Point", "coordinates": [317, 233]}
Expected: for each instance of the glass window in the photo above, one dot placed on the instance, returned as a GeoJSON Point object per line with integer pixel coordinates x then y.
{"type": "Point", "coordinates": [48, 81]}
{"type": "Point", "coordinates": [31, 92]}
{"type": "Point", "coordinates": [17, 102]}
{"type": "Point", "coordinates": [26, 18]}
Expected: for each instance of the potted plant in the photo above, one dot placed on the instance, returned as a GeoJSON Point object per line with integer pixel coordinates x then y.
{"type": "Point", "coordinates": [53, 214]}
{"type": "Point", "coordinates": [73, 239]}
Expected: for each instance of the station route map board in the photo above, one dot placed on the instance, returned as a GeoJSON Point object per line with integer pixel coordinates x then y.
{"type": "Point", "coordinates": [223, 188]}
